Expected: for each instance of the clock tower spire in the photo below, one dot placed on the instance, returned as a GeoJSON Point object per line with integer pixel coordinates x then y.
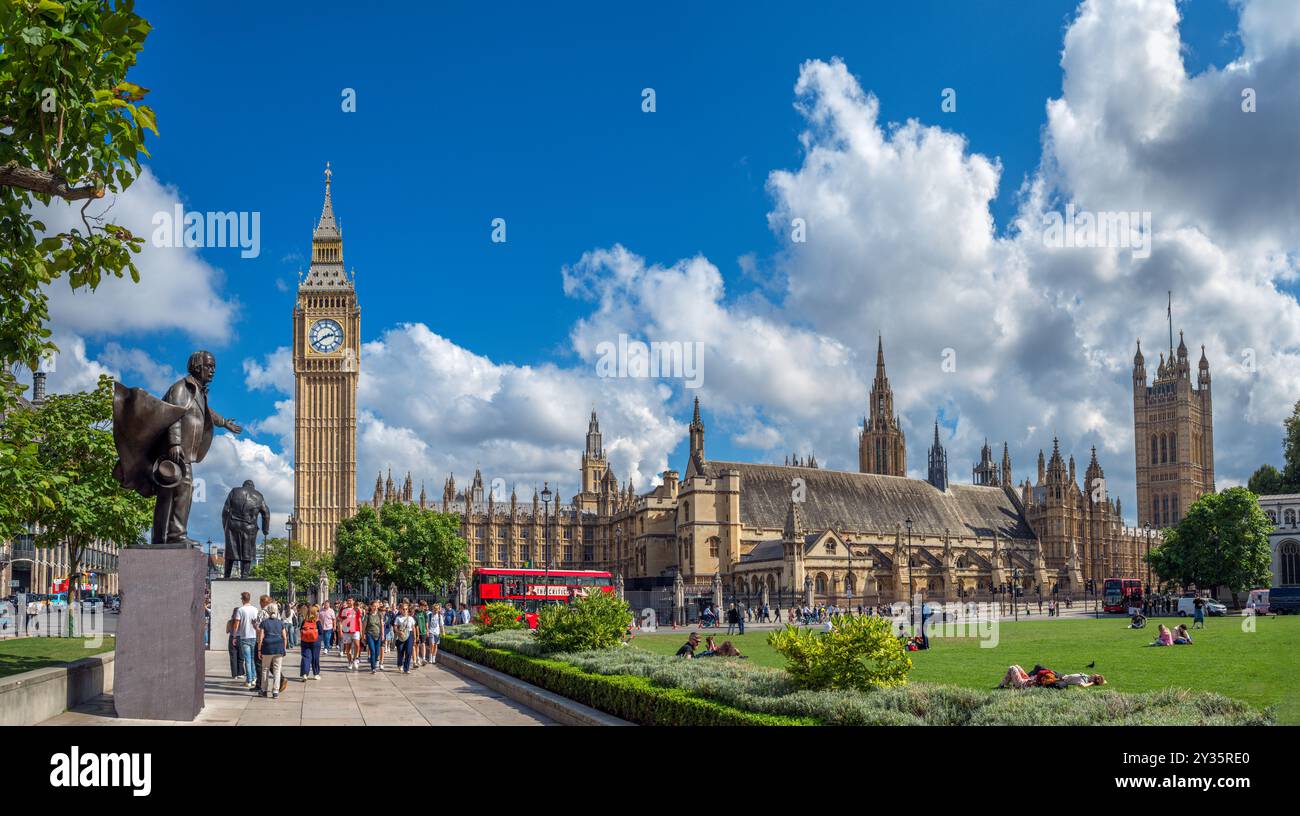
{"type": "Point", "coordinates": [326, 363]}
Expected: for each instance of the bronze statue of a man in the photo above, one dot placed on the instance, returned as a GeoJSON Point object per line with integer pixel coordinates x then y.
{"type": "Point", "coordinates": [159, 442]}
{"type": "Point", "coordinates": [239, 519]}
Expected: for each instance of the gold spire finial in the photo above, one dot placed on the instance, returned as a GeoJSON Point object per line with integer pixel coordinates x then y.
{"type": "Point", "coordinates": [328, 173]}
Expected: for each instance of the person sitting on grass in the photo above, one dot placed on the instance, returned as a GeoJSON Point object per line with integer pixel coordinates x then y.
{"type": "Point", "coordinates": [1163, 637]}
{"type": "Point", "coordinates": [688, 648]}
{"type": "Point", "coordinates": [1182, 637]}
{"type": "Point", "coordinates": [709, 648]}
{"type": "Point", "coordinates": [1138, 621]}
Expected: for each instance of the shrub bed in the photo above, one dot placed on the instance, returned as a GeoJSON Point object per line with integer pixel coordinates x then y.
{"type": "Point", "coordinates": [632, 698]}
{"type": "Point", "coordinates": [639, 684]}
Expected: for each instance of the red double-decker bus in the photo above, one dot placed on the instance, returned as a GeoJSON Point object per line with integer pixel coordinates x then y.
{"type": "Point", "coordinates": [1118, 594]}
{"type": "Point", "coordinates": [530, 589]}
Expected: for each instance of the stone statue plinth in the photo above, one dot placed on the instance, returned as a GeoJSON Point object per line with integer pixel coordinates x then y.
{"type": "Point", "coordinates": [158, 671]}
{"type": "Point", "coordinates": [225, 598]}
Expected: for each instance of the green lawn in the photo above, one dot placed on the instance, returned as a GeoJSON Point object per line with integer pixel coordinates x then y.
{"type": "Point", "coordinates": [25, 654]}
{"type": "Point", "coordinates": [1261, 667]}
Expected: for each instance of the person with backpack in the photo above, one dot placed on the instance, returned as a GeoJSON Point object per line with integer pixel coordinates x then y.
{"type": "Point", "coordinates": [309, 636]}
{"type": "Point", "coordinates": [403, 631]}
{"type": "Point", "coordinates": [270, 650]}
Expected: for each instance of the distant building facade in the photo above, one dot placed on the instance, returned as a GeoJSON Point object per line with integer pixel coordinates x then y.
{"type": "Point", "coordinates": [1284, 512]}
{"type": "Point", "coordinates": [802, 532]}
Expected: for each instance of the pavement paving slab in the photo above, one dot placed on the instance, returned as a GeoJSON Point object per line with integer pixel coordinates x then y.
{"type": "Point", "coordinates": [429, 695]}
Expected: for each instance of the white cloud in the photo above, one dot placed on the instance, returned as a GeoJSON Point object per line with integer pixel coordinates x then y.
{"type": "Point", "coordinates": [177, 288]}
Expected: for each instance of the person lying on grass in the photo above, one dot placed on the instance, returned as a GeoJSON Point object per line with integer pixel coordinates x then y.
{"type": "Point", "coordinates": [725, 650]}
{"type": "Point", "coordinates": [1182, 637]}
{"type": "Point", "coordinates": [1018, 678]}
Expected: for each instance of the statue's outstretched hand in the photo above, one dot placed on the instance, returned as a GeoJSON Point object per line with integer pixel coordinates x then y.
{"type": "Point", "coordinates": [177, 454]}
{"type": "Point", "coordinates": [234, 427]}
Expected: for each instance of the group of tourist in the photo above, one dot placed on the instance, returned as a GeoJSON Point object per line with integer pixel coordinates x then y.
{"type": "Point", "coordinates": [1043, 677]}
{"type": "Point", "coordinates": [260, 636]}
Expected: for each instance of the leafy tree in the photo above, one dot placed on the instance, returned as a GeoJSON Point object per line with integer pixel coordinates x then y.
{"type": "Point", "coordinates": [364, 548]}
{"type": "Point", "coordinates": [427, 544]}
{"type": "Point", "coordinates": [597, 621]}
{"type": "Point", "coordinates": [1222, 541]}
{"type": "Point", "coordinates": [69, 443]}
{"type": "Point", "coordinates": [273, 566]}
{"type": "Point", "coordinates": [1291, 451]}
{"type": "Point", "coordinates": [1266, 481]}
{"type": "Point", "coordinates": [860, 652]}
{"type": "Point", "coordinates": [73, 129]}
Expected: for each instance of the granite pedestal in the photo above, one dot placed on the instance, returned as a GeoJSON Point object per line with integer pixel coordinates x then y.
{"type": "Point", "coordinates": [158, 672]}
{"type": "Point", "coordinates": [225, 598]}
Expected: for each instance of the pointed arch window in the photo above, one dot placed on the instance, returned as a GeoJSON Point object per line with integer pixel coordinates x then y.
{"type": "Point", "coordinates": [1164, 449]}
{"type": "Point", "coordinates": [1155, 458]}
{"type": "Point", "coordinates": [1289, 563]}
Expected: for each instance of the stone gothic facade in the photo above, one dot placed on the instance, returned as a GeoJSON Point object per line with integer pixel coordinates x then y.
{"type": "Point", "coordinates": [1173, 425]}
{"type": "Point", "coordinates": [799, 530]}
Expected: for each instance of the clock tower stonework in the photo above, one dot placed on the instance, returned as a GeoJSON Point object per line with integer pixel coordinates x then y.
{"type": "Point", "coordinates": [326, 363]}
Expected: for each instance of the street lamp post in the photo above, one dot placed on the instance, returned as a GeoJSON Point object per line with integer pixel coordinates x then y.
{"type": "Point", "coordinates": [848, 586]}
{"type": "Point", "coordinates": [546, 543]}
{"type": "Point", "coordinates": [288, 556]}
{"type": "Point", "coordinates": [1147, 528]}
{"type": "Point", "coordinates": [910, 582]}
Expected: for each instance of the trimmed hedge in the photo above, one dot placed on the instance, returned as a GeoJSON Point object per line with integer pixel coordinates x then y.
{"type": "Point", "coordinates": [636, 699]}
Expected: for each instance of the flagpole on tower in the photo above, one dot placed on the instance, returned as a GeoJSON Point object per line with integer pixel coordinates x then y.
{"type": "Point", "coordinates": [1170, 311]}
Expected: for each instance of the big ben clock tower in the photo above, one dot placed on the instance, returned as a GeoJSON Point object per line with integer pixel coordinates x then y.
{"type": "Point", "coordinates": [326, 362]}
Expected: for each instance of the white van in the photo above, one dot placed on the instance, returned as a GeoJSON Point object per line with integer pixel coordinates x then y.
{"type": "Point", "coordinates": [1258, 601]}
{"type": "Point", "coordinates": [1187, 607]}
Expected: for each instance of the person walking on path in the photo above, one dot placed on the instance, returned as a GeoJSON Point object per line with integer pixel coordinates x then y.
{"type": "Point", "coordinates": [386, 645]}
{"type": "Point", "coordinates": [232, 644]}
{"type": "Point", "coordinates": [270, 648]}
{"type": "Point", "coordinates": [404, 636]}
{"type": "Point", "coordinates": [309, 637]}
{"type": "Point", "coordinates": [350, 629]}
{"type": "Point", "coordinates": [245, 621]}
{"type": "Point", "coordinates": [422, 634]}
{"type": "Point", "coordinates": [732, 618]}
{"type": "Point", "coordinates": [434, 636]}
{"type": "Point", "coordinates": [326, 626]}
{"type": "Point", "coordinates": [374, 629]}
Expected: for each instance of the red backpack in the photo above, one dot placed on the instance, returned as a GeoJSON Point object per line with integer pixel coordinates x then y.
{"type": "Point", "coordinates": [309, 634]}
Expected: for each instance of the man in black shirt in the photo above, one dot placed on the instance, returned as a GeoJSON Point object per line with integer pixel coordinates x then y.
{"type": "Point", "coordinates": [688, 648]}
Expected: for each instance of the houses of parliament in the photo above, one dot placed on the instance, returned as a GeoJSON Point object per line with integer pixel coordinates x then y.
{"type": "Point", "coordinates": [870, 535]}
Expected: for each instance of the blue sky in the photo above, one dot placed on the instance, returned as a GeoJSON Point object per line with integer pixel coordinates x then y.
{"type": "Point", "coordinates": [468, 112]}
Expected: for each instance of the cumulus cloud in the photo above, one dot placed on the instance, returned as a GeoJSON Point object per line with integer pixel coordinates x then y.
{"type": "Point", "coordinates": [431, 407]}
{"type": "Point", "coordinates": [181, 289]}
{"type": "Point", "coordinates": [901, 238]}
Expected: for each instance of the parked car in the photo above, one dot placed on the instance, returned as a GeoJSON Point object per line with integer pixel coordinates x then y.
{"type": "Point", "coordinates": [1187, 607]}
{"type": "Point", "coordinates": [1284, 600]}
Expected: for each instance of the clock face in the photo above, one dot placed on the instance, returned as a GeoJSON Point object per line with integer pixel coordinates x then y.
{"type": "Point", "coordinates": [326, 336]}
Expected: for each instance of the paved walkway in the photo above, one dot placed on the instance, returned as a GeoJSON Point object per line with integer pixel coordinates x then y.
{"type": "Point", "coordinates": [430, 695]}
